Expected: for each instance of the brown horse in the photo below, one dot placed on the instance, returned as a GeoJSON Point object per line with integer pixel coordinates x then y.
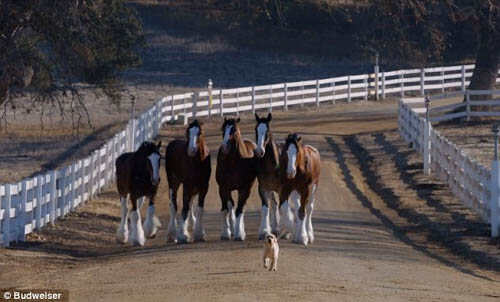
{"type": "Point", "coordinates": [268, 174]}
{"type": "Point", "coordinates": [236, 170]}
{"type": "Point", "coordinates": [300, 169]}
{"type": "Point", "coordinates": [137, 175]}
{"type": "Point", "coordinates": [187, 162]}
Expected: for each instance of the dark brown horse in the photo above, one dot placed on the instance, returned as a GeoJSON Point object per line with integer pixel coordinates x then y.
{"type": "Point", "coordinates": [268, 174]}
{"type": "Point", "coordinates": [187, 162]}
{"type": "Point", "coordinates": [236, 170]}
{"type": "Point", "coordinates": [300, 169]}
{"type": "Point", "coordinates": [137, 175]}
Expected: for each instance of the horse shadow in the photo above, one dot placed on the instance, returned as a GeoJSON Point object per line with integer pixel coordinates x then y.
{"type": "Point", "coordinates": [445, 237]}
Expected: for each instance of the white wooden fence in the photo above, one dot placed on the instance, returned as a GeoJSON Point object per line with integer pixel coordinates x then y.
{"type": "Point", "coordinates": [32, 203]}
{"type": "Point", "coordinates": [478, 187]}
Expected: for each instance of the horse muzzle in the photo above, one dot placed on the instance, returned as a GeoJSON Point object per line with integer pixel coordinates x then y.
{"type": "Point", "coordinates": [291, 175]}
{"type": "Point", "coordinates": [155, 182]}
{"type": "Point", "coordinates": [260, 153]}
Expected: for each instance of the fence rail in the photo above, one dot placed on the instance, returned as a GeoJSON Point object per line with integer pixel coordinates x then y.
{"type": "Point", "coordinates": [472, 183]}
{"type": "Point", "coordinates": [36, 201]}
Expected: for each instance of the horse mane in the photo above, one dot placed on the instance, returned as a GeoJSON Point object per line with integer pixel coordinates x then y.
{"type": "Point", "coordinates": [203, 149]}
{"type": "Point", "coordinates": [301, 156]}
{"type": "Point", "coordinates": [245, 147]}
{"type": "Point", "coordinates": [274, 149]}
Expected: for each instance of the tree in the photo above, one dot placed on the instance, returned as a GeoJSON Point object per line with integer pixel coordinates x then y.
{"type": "Point", "coordinates": [419, 28]}
{"type": "Point", "coordinates": [48, 49]}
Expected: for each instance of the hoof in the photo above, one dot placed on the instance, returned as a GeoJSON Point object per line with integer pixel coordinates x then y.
{"type": "Point", "coordinates": [239, 239]}
{"type": "Point", "coordinates": [199, 239]}
{"type": "Point", "coordinates": [303, 242]}
{"type": "Point", "coordinates": [182, 240]}
{"type": "Point", "coordinates": [225, 237]}
{"type": "Point", "coordinates": [172, 240]}
{"type": "Point", "coordinates": [137, 243]}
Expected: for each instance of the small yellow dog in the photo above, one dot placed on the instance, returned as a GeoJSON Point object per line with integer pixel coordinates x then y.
{"type": "Point", "coordinates": [271, 252]}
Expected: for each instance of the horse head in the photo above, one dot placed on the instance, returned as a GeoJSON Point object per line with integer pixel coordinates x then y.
{"type": "Point", "coordinates": [262, 133]}
{"type": "Point", "coordinates": [293, 155]}
{"type": "Point", "coordinates": [230, 133]}
{"type": "Point", "coordinates": [151, 151]}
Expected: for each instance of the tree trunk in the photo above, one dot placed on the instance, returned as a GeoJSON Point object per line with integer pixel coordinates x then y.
{"type": "Point", "coordinates": [487, 62]}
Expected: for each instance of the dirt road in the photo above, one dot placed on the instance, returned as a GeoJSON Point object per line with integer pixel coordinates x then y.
{"type": "Point", "coordinates": [359, 254]}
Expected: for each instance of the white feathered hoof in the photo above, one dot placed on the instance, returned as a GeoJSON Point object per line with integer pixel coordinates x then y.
{"type": "Point", "coordinates": [137, 235]}
{"type": "Point", "coordinates": [152, 223]}
{"type": "Point", "coordinates": [239, 228]}
{"type": "Point", "coordinates": [182, 231]}
{"type": "Point", "coordinates": [300, 232]}
{"type": "Point", "coordinates": [199, 232]}
{"type": "Point", "coordinates": [122, 234]}
{"type": "Point", "coordinates": [225, 226]}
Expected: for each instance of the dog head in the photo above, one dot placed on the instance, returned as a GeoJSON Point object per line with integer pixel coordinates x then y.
{"type": "Point", "coordinates": [271, 240]}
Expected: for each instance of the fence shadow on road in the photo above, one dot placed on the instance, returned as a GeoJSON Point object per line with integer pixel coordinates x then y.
{"type": "Point", "coordinates": [373, 181]}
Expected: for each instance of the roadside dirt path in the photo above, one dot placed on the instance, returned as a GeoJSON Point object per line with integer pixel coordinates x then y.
{"type": "Point", "coordinates": [360, 252]}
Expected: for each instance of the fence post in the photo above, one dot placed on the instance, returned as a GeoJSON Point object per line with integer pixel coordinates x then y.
{"type": "Point", "coordinates": [196, 97]}
{"type": "Point", "coordinates": [467, 104]}
{"type": "Point", "coordinates": [333, 92]}
{"type": "Point", "coordinates": [376, 70]}
{"type": "Point", "coordinates": [172, 113]}
{"type": "Point", "coordinates": [221, 106]}
{"type": "Point", "coordinates": [6, 217]}
{"type": "Point", "coordinates": [22, 216]}
{"type": "Point", "coordinates": [365, 82]}
{"type": "Point", "coordinates": [271, 99]}
{"type": "Point", "coordinates": [253, 99]}
{"type": "Point", "coordinates": [286, 96]}
{"type": "Point", "coordinates": [237, 101]}
{"type": "Point", "coordinates": [53, 196]}
{"type": "Point", "coordinates": [210, 85]}
{"type": "Point", "coordinates": [495, 186]}
{"type": "Point", "coordinates": [349, 89]}
{"type": "Point", "coordinates": [72, 192]}
{"type": "Point", "coordinates": [442, 80]}
{"type": "Point", "coordinates": [317, 93]}
{"type": "Point", "coordinates": [427, 141]}
{"type": "Point", "coordinates": [39, 202]}
{"type": "Point", "coordinates": [401, 83]}
{"type": "Point", "coordinates": [383, 85]}
{"type": "Point", "coordinates": [463, 77]}
{"type": "Point", "coordinates": [422, 81]}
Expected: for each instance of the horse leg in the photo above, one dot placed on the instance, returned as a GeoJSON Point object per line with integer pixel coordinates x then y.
{"type": "Point", "coordinates": [310, 208]}
{"type": "Point", "coordinates": [199, 232]}
{"type": "Point", "coordinates": [137, 234]}
{"type": "Point", "coordinates": [275, 213]}
{"type": "Point", "coordinates": [172, 225]}
{"type": "Point", "coordinates": [225, 197]}
{"type": "Point", "coordinates": [265, 227]}
{"type": "Point", "coordinates": [239, 227]}
{"type": "Point", "coordinates": [286, 216]}
{"type": "Point", "coordinates": [231, 210]}
{"type": "Point", "coordinates": [300, 226]}
{"type": "Point", "coordinates": [183, 222]}
{"type": "Point", "coordinates": [122, 233]}
{"type": "Point", "coordinates": [152, 222]}
{"type": "Point", "coordinates": [191, 215]}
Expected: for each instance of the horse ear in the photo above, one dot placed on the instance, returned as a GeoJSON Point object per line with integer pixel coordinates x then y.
{"type": "Point", "coordinates": [269, 117]}
{"type": "Point", "coordinates": [257, 118]}
{"type": "Point", "coordinates": [159, 145]}
{"type": "Point", "coordinates": [299, 138]}
{"type": "Point", "coordinates": [237, 120]}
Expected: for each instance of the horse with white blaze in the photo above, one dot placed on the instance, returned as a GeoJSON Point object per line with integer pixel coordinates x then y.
{"type": "Point", "coordinates": [236, 170]}
{"type": "Point", "coordinates": [138, 175]}
{"type": "Point", "coordinates": [300, 170]}
{"type": "Point", "coordinates": [187, 162]}
{"type": "Point", "coordinates": [268, 174]}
